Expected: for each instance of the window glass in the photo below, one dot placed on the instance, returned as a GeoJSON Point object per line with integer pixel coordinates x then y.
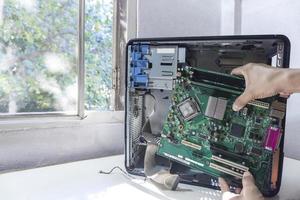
{"type": "Point", "coordinates": [98, 54]}
{"type": "Point", "coordinates": [38, 55]}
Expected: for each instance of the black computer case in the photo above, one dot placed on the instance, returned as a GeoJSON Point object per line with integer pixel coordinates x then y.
{"type": "Point", "coordinates": [215, 53]}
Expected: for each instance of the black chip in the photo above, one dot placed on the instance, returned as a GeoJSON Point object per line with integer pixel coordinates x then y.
{"type": "Point", "coordinates": [237, 130]}
{"type": "Point", "coordinates": [256, 151]}
{"type": "Point", "coordinates": [239, 147]}
{"type": "Point", "coordinates": [258, 120]}
{"type": "Point", "coordinates": [255, 135]}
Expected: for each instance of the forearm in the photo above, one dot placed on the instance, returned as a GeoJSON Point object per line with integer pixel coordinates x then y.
{"type": "Point", "coordinates": [290, 81]}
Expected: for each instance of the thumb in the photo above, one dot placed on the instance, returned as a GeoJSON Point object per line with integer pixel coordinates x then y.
{"type": "Point", "coordinates": [250, 191]}
{"type": "Point", "coordinates": [238, 71]}
{"type": "Point", "coordinates": [248, 180]}
{"type": "Point", "coordinates": [242, 100]}
{"type": "Point", "coordinates": [223, 185]}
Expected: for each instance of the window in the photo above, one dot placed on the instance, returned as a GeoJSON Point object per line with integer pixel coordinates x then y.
{"type": "Point", "coordinates": [98, 54]}
{"type": "Point", "coordinates": [39, 59]}
{"type": "Point", "coordinates": [38, 56]}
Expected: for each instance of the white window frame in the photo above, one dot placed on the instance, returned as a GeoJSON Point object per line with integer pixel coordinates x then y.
{"type": "Point", "coordinates": [23, 121]}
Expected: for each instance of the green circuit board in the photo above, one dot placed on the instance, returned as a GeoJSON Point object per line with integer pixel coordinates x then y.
{"type": "Point", "coordinates": [202, 131]}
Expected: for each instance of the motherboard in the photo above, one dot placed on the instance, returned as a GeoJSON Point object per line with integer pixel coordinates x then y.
{"type": "Point", "coordinates": [198, 128]}
{"type": "Point", "coordinates": [203, 132]}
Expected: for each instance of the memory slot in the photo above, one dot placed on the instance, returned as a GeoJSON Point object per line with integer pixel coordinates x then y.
{"type": "Point", "coordinates": [260, 104]}
{"type": "Point", "coordinates": [230, 163]}
{"type": "Point", "coordinates": [190, 144]}
{"type": "Point", "coordinates": [225, 170]}
{"type": "Point", "coordinates": [217, 87]}
{"type": "Point", "coordinates": [217, 78]}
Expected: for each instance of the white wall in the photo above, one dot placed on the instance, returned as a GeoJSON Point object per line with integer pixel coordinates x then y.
{"type": "Point", "coordinates": [36, 142]}
{"type": "Point", "coordinates": [279, 17]}
{"type": "Point", "coordinates": [166, 18]}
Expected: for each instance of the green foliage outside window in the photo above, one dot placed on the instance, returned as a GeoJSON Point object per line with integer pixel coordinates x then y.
{"type": "Point", "coordinates": [38, 55]}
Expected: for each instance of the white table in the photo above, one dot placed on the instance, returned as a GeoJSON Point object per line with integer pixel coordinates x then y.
{"type": "Point", "coordinates": [81, 180]}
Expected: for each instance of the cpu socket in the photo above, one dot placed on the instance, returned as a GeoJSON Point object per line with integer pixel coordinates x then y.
{"type": "Point", "coordinates": [189, 109]}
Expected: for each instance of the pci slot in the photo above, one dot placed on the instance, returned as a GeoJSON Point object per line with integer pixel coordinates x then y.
{"type": "Point", "coordinates": [178, 159]}
{"type": "Point", "coordinates": [230, 163]}
{"type": "Point", "coordinates": [226, 170]}
{"type": "Point", "coordinates": [190, 144]}
{"type": "Point", "coordinates": [260, 104]}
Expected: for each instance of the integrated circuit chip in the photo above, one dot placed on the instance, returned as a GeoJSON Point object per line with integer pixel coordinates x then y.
{"type": "Point", "coordinates": [220, 109]}
{"type": "Point", "coordinates": [237, 130]}
{"type": "Point", "coordinates": [256, 151]}
{"type": "Point", "coordinates": [258, 120]}
{"type": "Point", "coordinates": [239, 147]}
{"type": "Point", "coordinates": [188, 109]}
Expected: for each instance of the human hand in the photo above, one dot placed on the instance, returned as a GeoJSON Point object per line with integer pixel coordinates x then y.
{"type": "Point", "coordinates": [249, 191]}
{"type": "Point", "coordinates": [261, 81]}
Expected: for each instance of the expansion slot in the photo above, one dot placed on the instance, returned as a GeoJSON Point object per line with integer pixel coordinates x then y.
{"type": "Point", "coordinates": [195, 162]}
{"type": "Point", "coordinates": [226, 170]}
{"type": "Point", "coordinates": [192, 145]}
{"type": "Point", "coordinates": [260, 104]}
{"type": "Point", "coordinates": [230, 163]}
{"type": "Point", "coordinates": [179, 159]}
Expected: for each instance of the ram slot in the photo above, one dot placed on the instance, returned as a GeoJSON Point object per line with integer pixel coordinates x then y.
{"type": "Point", "coordinates": [225, 170]}
{"type": "Point", "coordinates": [260, 104]}
{"type": "Point", "coordinates": [230, 163]}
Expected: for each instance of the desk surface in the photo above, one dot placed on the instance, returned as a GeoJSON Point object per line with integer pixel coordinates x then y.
{"type": "Point", "coordinates": [81, 181]}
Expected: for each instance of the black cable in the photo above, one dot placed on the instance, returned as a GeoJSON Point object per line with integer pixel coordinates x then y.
{"type": "Point", "coordinates": [110, 171]}
{"type": "Point", "coordinates": [116, 167]}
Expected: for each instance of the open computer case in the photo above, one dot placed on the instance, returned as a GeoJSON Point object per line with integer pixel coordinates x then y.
{"type": "Point", "coordinates": [179, 96]}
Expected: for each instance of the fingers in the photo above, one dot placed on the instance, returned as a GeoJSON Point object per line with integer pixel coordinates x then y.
{"type": "Point", "coordinates": [238, 71]}
{"type": "Point", "coordinates": [248, 180]}
{"type": "Point", "coordinates": [242, 100]}
{"type": "Point", "coordinates": [284, 94]}
{"type": "Point", "coordinates": [238, 190]}
{"type": "Point", "coordinates": [227, 195]}
{"type": "Point", "coordinates": [223, 185]}
{"type": "Point", "coordinates": [250, 191]}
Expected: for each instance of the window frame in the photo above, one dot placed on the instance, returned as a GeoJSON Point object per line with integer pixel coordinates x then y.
{"type": "Point", "coordinates": [29, 119]}
{"type": "Point", "coordinates": [79, 112]}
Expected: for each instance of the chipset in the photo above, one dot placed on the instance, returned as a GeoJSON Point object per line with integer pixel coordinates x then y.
{"type": "Point", "coordinates": [237, 130]}
{"type": "Point", "coordinates": [216, 107]}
